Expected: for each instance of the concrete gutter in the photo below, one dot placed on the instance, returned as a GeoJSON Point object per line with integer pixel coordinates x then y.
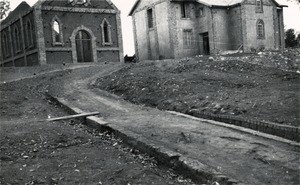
{"type": "Point", "coordinates": [245, 129]}
{"type": "Point", "coordinates": [188, 167]}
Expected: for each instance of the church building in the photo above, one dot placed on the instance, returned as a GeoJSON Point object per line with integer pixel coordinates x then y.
{"type": "Point", "coordinates": [168, 29]}
{"type": "Point", "coordinates": [61, 31]}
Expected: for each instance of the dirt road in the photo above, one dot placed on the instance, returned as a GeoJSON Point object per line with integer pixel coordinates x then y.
{"type": "Point", "coordinates": [64, 152]}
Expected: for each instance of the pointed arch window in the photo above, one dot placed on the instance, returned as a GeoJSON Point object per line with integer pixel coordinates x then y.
{"type": "Point", "coordinates": [57, 34]}
{"type": "Point", "coordinates": [5, 46]}
{"type": "Point", "coordinates": [106, 33]}
{"type": "Point", "coordinates": [260, 29]}
{"type": "Point", "coordinates": [29, 34]}
{"type": "Point", "coordinates": [259, 6]}
{"type": "Point", "coordinates": [17, 39]}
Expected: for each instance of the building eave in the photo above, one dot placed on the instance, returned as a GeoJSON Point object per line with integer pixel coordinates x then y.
{"type": "Point", "coordinates": [137, 2]}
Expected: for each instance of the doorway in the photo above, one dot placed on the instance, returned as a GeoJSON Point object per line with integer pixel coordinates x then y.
{"type": "Point", "coordinates": [84, 47]}
{"type": "Point", "coordinates": [204, 43]}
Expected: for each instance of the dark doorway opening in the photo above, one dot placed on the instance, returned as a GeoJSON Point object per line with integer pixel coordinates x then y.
{"type": "Point", "coordinates": [84, 47]}
{"type": "Point", "coordinates": [205, 41]}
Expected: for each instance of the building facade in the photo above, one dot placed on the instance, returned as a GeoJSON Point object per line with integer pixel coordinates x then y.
{"type": "Point", "coordinates": [62, 31]}
{"type": "Point", "coordinates": [165, 29]}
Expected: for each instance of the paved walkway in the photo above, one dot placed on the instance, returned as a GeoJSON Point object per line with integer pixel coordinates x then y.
{"type": "Point", "coordinates": [242, 156]}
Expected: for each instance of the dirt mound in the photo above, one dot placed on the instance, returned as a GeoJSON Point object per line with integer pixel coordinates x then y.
{"type": "Point", "coordinates": [222, 85]}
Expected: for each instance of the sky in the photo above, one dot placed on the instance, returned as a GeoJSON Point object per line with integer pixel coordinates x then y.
{"type": "Point", "coordinates": [291, 19]}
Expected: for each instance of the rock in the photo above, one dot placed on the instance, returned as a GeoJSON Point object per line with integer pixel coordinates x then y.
{"type": "Point", "coordinates": [211, 59]}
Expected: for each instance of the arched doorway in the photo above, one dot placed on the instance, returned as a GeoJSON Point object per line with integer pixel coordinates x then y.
{"type": "Point", "coordinates": [84, 46]}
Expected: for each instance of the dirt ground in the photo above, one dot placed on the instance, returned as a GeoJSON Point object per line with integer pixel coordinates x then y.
{"type": "Point", "coordinates": [39, 152]}
{"type": "Point", "coordinates": [263, 86]}
{"type": "Point", "coordinates": [34, 151]}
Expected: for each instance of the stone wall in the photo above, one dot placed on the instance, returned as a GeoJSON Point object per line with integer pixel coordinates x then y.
{"type": "Point", "coordinates": [141, 35]}
{"type": "Point", "coordinates": [250, 31]}
{"type": "Point", "coordinates": [228, 28]}
{"type": "Point", "coordinates": [235, 28]}
{"type": "Point", "coordinates": [163, 30]}
{"type": "Point", "coordinates": [181, 24]}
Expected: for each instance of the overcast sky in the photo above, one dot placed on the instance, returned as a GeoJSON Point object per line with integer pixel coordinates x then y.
{"type": "Point", "coordinates": [291, 19]}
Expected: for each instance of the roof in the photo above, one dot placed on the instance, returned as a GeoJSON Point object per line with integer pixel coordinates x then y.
{"type": "Point", "coordinates": [18, 11]}
{"type": "Point", "coordinates": [210, 3]}
{"type": "Point", "coordinates": [231, 2]}
{"type": "Point", "coordinates": [220, 2]}
{"type": "Point", "coordinates": [137, 2]}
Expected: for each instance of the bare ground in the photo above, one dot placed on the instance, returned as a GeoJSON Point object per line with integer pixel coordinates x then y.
{"type": "Point", "coordinates": [259, 87]}
{"type": "Point", "coordinates": [34, 151]}
{"type": "Point", "coordinates": [23, 102]}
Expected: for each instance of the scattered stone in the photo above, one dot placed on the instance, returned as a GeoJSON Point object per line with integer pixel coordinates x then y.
{"type": "Point", "coordinates": [211, 59]}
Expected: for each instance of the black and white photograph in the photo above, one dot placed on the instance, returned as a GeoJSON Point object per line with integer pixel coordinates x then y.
{"type": "Point", "coordinates": [150, 92]}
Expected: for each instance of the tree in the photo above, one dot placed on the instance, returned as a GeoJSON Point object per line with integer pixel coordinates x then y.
{"type": "Point", "coordinates": [4, 8]}
{"type": "Point", "coordinates": [290, 38]}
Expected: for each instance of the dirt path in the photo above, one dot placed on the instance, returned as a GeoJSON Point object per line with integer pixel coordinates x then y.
{"type": "Point", "coordinates": [64, 152]}
{"type": "Point", "coordinates": [247, 158]}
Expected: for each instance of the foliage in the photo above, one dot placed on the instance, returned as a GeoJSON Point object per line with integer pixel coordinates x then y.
{"type": "Point", "coordinates": [290, 38]}
{"type": "Point", "coordinates": [4, 8]}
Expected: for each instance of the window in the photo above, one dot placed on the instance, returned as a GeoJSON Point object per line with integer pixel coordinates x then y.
{"type": "Point", "coordinates": [56, 31]}
{"type": "Point", "coordinates": [187, 38]}
{"type": "Point", "coordinates": [150, 18]}
{"type": "Point", "coordinates": [184, 10]}
{"type": "Point", "coordinates": [5, 45]}
{"type": "Point", "coordinates": [260, 29]}
{"type": "Point", "coordinates": [259, 6]}
{"type": "Point", "coordinates": [200, 12]}
{"type": "Point", "coordinates": [17, 40]}
{"type": "Point", "coordinates": [29, 32]}
{"type": "Point", "coordinates": [106, 33]}
{"type": "Point", "coordinates": [57, 35]}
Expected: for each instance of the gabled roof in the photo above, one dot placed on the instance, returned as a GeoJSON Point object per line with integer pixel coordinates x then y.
{"type": "Point", "coordinates": [40, 2]}
{"type": "Point", "coordinates": [18, 11]}
{"type": "Point", "coordinates": [137, 2]}
{"type": "Point", "coordinates": [224, 3]}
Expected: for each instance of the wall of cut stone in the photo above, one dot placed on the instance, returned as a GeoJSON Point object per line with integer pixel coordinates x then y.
{"type": "Point", "coordinates": [250, 30]}
{"type": "Point", "coordinates": [142, 44]}
{"type": "Point", "coordinates": [235, 28]}
{"type": "Point", "coordinates": [181, 24]}
{"type": "Point", "coordinates": [163, 30]}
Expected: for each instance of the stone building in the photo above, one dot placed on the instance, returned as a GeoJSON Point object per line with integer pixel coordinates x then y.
{"type": "Point", "coordinates": [166, 29]}
{"type": "Point", "coordinates": [62, 31]}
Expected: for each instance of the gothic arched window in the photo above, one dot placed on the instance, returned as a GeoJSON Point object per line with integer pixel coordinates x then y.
{"type": "Point", "coordinates": [260, 29]}
{"type": "Point", "coordinates": [29, 34]}
{"type": "Point", "coordinates": [17, 40]}
{"type": "Point", "coordinates": [57, 34]}
{"type": "Point", "coordinates": [106, 33]}
{"type": "Point", "coordinates": [5, 46]}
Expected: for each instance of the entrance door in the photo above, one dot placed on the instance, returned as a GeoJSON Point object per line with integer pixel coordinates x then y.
{"type": "Point", "coordinates": [206, 44]}
{"type": "Point", "coordinates": [84, 47]}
